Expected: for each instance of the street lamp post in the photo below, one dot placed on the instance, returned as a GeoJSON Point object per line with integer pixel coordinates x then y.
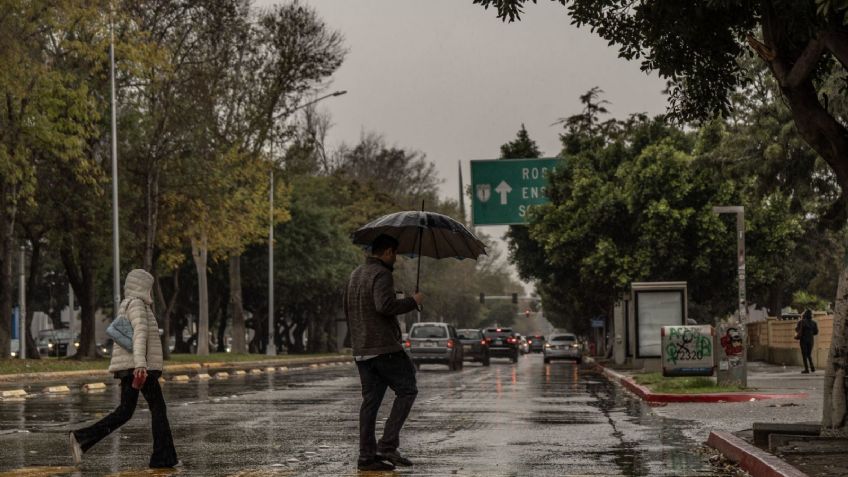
{"type": "Point", "coordinates": [271, 348]}
{"type": "Point", "coordinates": [732, 342]}
{"type": "Point", "coordinates": [116, 256]}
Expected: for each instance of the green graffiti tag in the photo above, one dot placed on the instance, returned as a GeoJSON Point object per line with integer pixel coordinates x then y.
{"type": "Point", "coordinates": [687, 344]}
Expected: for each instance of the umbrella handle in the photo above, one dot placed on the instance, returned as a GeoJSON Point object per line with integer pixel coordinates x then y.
{"type": "Point", "coordinates": [420, 239]}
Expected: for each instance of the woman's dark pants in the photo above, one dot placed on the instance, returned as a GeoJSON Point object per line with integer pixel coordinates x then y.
{"type": "Point", "coordinates": [164, 454]}
{"type": "Point", "coordinates": [807, 354]}
{"type": "Point", "coordinates": [395, 371]}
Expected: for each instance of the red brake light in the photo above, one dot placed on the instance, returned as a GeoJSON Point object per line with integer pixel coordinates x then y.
{"type": "Point", "coordinates": [484, 342]}
{"type": "Point", "coordinates": [529, 341]}
{"type": "Point", "coordinates": [450, 343]}
{"type": "Point", "coordinates": [511, 340]}
{"type": "Point", "coordinates": [499, 330]}
{"type": "Point", "coordinates": [408, 344]}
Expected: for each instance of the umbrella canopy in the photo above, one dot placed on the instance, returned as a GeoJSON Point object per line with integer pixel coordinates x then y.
{"type": "Point", "coordinates": [440, 235]}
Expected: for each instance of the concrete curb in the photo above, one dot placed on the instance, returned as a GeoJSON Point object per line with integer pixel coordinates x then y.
{"type": "Point", "coordinates": [647, 395]}
{"type": "Point", "coordinates": [755, 461]}
{"type": "Point", "coordinates": [182, 368]}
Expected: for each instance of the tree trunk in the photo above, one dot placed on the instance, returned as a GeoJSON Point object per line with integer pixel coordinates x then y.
{"type": "Point", "coordinates": [33, 281]}
{"type": "Point", "coordinates": [237, 305]}
{"type": "Point", "coordinates": [152, 209]}
{"type": "Point", "coordinates": [81, 277]}
{"type": "Point", "coordinates": [199, 253]}
{"type": "Point", "coordinates": [7, 225]}
{"type": "Point", "coordinates": [834, 409]}
{"type": "Point", "coordinates": [167, 310]}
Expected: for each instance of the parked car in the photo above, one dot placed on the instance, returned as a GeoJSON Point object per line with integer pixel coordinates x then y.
{"type": "Point", "coordinates": [537, 343]}
{"type": "Point", "coordinates": [434, 343]}
{"type": "Point", "coordinates": [474, 346]}
{"type": "Point", "coordinates": [502, 343]}
{"type": "Point", "coordinates": [563, 346]}
{"type": "Point", "coordinates": [56, 342]}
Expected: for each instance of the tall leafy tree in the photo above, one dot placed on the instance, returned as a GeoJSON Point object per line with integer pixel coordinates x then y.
{"type": "Point", "coordinates": [696, 45]}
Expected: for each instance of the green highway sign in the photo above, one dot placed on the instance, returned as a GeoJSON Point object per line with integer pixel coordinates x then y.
{"type": "Point", "coordinates": [503, 189]}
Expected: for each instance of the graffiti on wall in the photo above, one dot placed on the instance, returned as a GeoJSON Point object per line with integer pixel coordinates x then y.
{"type": "Point", "coordinates": [688, 350]}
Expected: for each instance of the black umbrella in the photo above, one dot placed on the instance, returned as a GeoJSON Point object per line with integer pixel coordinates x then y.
{"type": "Point", "coordinates": [421, 233]}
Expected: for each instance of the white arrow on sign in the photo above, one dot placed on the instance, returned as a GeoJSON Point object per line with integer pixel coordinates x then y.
{"type": "Point", "coordinates": [503, 189]}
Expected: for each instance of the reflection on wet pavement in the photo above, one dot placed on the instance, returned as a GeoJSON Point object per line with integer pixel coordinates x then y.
{"type": "Point", "coordinates": [522, 419]}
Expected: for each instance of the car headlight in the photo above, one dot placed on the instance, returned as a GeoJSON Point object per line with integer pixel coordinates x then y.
{"type": "Point", "coordinates": [575, 346]}
{"type": "Point", "coordinates": [49, 345]}
{"type": "Point", "coordinates": [76, 345]}
{"type": "Point", "coordinates": [547, 345]}
{"type": "Point", "coordinates": [14, 354]}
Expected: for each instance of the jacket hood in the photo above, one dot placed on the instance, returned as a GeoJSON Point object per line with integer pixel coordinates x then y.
{"type": "Point", "coordinates": [138, 285]}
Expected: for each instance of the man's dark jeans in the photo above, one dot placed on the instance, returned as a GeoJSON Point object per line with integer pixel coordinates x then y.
{"type": "Point", "coordinates": [395, 371]}
{"type": "Point", "coordinates": [164, 454]}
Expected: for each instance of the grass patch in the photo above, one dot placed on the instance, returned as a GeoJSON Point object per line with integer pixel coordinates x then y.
{"type": "Point", "coordinates": [43, 365]}
{"type": "Point", "coordinates": [657, 383]}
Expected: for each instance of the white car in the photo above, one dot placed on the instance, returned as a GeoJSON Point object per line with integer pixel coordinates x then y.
{"type": "Point", "coordinates": [562, 346]}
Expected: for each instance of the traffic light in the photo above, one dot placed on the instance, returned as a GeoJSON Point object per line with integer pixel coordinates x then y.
{"type": "Point", "coordinates": [482, 298]}
{"type": "Point", "coordinates": [515, 298]}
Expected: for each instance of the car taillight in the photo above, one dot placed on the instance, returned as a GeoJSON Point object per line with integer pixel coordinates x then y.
{"type": "Point", "coordinates": [450, 343]}
{"type": "Point", "coordinates": [488, 340]}
{"type": "Point", "coordinates": [484, 342]}
{"type": "Point", "coordinates": [529, 341]}
{"type": "Point", "coordinates": [510, 340]}
{"type": "Point", "coordinates": [408, 344]}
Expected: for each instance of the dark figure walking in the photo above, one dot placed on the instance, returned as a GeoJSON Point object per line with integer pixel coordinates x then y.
{"type": "Point", "coordinates": [805, 331]}
{"type": "Point", "coordinates": [371, 309]}
{"type": "Point", "coordinates": [144, 366]}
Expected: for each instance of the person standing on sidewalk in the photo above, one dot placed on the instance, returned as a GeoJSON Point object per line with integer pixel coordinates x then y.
{"type": "Point", "coordinates": [805, 331]}
{"type": "Point", "coordinates": [371, 309]}
{"type": "Point", "coordinates": [144, 364]}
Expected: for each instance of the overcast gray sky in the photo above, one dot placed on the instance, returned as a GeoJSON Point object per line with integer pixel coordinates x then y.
{"type": "Point", "coordinates": [447, 78]}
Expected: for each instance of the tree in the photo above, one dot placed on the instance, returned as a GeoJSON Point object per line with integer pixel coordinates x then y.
{"type": "Point", "coordinates": [46, 120]}
{"type": "Point", "coordinates": [801, 42]}
{"type": "Point", "coordinates": [250, 76]}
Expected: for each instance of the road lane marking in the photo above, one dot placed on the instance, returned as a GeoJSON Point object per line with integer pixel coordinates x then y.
{"type": "Point", "coordinates": [38, 471]}
{"type": "Point", "coordinates": [145, 472]}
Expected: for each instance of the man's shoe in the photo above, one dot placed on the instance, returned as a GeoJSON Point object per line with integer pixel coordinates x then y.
{"type": "Point", "coordinates": [395, 458]}
{"type": "Point", "coordinates": [812, 370]}
{"type": "Point", "coordinates": [76, 450]}
{"type": "Point", "coordinates": [805, 371]}
{"type": "Point", "coordinates": [375, 464]}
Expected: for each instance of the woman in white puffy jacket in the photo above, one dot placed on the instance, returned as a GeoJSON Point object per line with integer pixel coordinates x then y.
{"type": "Point", "coordinates": [144, 362]}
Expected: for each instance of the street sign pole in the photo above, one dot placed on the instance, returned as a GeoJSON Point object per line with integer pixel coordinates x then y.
{"type": "Point", "coordinates": [732, 337]}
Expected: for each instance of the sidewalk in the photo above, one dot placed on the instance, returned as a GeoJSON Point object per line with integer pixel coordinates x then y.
{"type": "Point", "coordinates": [29, 380]}
{"type": "Point", "coordinates": [766, 382]}
{"type": "Point", "coordinates": [721, 422]}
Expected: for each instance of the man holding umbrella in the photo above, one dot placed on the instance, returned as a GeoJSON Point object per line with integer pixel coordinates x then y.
{"type": "Point", "coordinates": [371, 309]}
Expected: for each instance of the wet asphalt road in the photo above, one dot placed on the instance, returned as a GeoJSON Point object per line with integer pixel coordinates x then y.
{"type": "Point", "coordinates": [512, 420]}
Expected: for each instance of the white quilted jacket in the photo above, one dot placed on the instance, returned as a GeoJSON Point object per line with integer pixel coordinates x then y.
{"type": "Point", "coordinates": [147, 347]}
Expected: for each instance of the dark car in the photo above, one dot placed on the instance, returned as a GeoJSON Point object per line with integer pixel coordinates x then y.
{"type": "Point", "coordinates": [537, 343]}
{"type": "Point", "coordinates": [435, 343]}
{"type": "Point", "coordinates": [502, 343]}
{"type": "Point", "coordinates": [474, 346]}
